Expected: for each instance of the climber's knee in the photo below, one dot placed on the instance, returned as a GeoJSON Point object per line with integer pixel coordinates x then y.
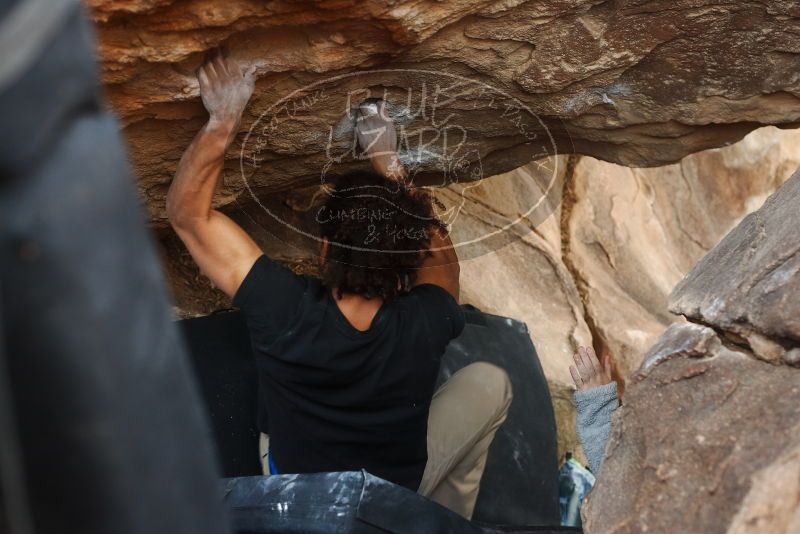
{"type": "Point", "coordinates": [491, 382]}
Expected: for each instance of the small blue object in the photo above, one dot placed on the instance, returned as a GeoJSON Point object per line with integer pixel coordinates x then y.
{"type": "Point", "coordinates": [574, 483]}
{"type": "Point", "coordinates": [273, 470]}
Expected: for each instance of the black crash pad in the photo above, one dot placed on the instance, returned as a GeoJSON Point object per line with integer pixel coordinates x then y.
{"type": "Point", "coordinates": [519, 485]}
{"type": "Point", "coordinates": [354, 502]}
{"type": "Point", "coordinates": [220, 349]}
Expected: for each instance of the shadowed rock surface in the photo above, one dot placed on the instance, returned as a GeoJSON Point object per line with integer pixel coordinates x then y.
{"type": "Point", "coordinates": [481, 87]}
{"type": "Point", "coordinates": [707, 439]}
{"type": "Point", "coordinates": [701, 444]}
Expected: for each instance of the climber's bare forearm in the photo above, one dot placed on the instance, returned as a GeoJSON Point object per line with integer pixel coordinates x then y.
{"type": "Point", "coordinates": [377, 138]}
{"type": "Point", "coordinates": [441, 268]}
{"type": "Point", "coordinates": [220, 247]}
{"type": "Point", "coordinates": [192, 191]}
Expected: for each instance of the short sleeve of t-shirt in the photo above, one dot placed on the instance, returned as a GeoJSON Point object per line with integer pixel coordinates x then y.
{"type": "Point", "coordinates": [269, 298]}
{"type": "Point", "coordinates": [445, 318]}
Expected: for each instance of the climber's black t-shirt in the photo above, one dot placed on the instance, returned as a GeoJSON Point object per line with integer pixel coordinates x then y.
{"type": "Point", "coordinates": [338, 399]}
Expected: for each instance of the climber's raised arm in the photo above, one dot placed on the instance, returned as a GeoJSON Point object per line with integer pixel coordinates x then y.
{"type": "Point", "coordinates": [377, 139]}
{"type": "Point", "coordinates": [222, 249]}
{"type": "Point", "coordinates": [441, 267]}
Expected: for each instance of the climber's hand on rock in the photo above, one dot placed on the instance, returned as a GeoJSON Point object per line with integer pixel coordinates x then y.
{"type": "Point", "coordinates": [375, 129]}
{"type": "Point", "coordinates": [377, 138]}
{"type": "Point", "coordinates": [225, 88]}
{"type": "Point", "coordinates": [588, 372]}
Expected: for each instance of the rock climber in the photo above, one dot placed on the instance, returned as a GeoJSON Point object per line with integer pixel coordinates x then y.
{"type": "Point", "coordinates": [347, 363]}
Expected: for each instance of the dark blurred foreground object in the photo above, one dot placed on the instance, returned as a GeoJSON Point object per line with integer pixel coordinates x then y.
{"type": "Point", "coordinates": [101, 428]}
{"type": "Point", "coordinates": [519, 486]}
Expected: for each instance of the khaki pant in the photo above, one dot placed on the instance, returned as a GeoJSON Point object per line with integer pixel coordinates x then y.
{"type": "Point", "coordinates": [465, 414]}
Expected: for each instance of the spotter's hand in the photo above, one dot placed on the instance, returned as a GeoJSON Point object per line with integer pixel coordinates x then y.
{"type": "Point", "coordinates": [588, 372]}
{"type": "Point", "coordinates": [225, 87]}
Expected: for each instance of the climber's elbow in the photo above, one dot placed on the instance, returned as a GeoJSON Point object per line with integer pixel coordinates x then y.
{"type": "Point", "coordinates": [184, 216]}
{"type": "Point", "coordinates": [176, 215]}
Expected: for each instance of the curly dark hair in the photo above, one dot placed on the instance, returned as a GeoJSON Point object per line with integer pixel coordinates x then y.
{"type": "Point", "coordinates": [378, 232]}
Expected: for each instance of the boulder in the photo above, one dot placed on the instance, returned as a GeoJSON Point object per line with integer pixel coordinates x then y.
{"type": "Point", "coordinates": [706, 441]}
{"type": "Point", "coordinates": [708, 437]}
{"type": "Point", "coordinates": [748, 285]}
{"type": "Point", "coordinates": [773, 502]}
{"type": "Point", "coordinates": [480, 87]}
{"type": "Point", "coordinates": [633, 234]}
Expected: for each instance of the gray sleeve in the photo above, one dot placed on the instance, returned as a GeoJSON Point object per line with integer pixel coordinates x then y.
{"type": "Point", "coordinates": [595, 407]}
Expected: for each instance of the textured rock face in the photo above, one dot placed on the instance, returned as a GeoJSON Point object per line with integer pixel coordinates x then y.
{"type": "Point", "coordinates": [749, 284]}
{"type": "Point", "coordinates": [773, 502]}
{"type": "Point", "coordinates": [634, 233]}
{"type": "Point", "coordinates": [705, 442]}
{"type": "Point", "coordinates": [481, 87]}
{"type": "Point", "coordinates": [723, 456]}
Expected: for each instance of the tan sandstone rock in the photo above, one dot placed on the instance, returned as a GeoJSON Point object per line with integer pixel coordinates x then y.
{"type": "Point", "coordinates": [623, 236]}
{"type": "Point", "coordinates": [707, 439]}
{"type": "Point", "coordinates": [483, 85]}
{"type": "Point", "coordinates": [634, 233]}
